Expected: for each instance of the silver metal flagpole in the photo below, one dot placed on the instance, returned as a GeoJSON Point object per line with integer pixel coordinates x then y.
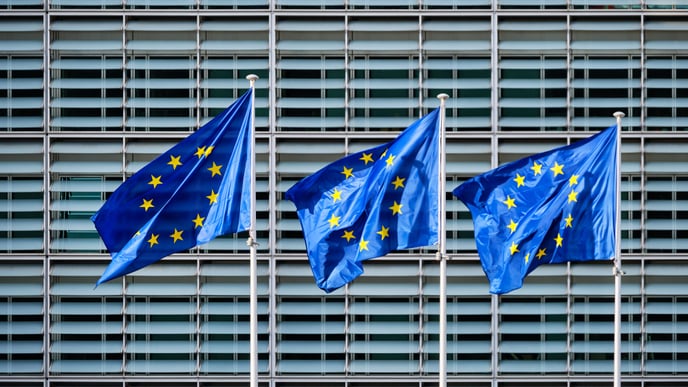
{"type": "Point", "coordinates": [252, 244]}
{"type": "Point", "coordinates": [442, 243]}
{"type": "Point", "coordinates": [617, 258]}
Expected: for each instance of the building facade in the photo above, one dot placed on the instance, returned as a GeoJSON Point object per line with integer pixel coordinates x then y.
{"type": "Point", "coordinates": [94, 89]}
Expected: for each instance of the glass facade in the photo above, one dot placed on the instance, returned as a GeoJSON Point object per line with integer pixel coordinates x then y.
{"type": "Point", "coordinates": [91, 90]}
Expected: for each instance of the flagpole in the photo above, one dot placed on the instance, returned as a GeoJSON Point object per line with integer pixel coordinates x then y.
{"type": "Point", "coordinates": [617, 258]}
{"type": "Point", "coordinates": [251, 242]}
{"type": "Point", "coordinates": [442, 242]}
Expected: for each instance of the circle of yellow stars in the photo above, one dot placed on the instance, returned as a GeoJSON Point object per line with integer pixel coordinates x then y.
{"type": "Point", "coordinates": [174, 162]}
{"type": "Point", "coordinates": [396, 208]}
{"type": "Point", "coordinates": [510, 203]}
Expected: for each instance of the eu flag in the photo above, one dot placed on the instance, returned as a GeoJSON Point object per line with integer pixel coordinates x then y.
{"type": "Point", "coordinates": [197, 190]}
{"type": "Point", "coordinates": [370, 203]}
{"type": "Point", "coordinates": [551, 207]}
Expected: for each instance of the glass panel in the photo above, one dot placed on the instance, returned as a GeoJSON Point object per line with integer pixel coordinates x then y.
{"type": "Point", "coordinates": [383, 93]}
{"type": "Point", "coordinates": [224, 318]}
{"type": "Point", "coordinates": [85, 324]}
{"type": "Point", "coordinates": [539, 36]}
{"type": "Point", "coordinates": [310, 330]}
{"type": "Point", "coordinates": [602, 86]}
{"type": "Point", "coordinates": [667, 93]}
{"type": "Point", "coordinates": [469, 319]}
{"type": "Point", "coordinates": [533, 93]}
{"type": "Point", "coordinates": [533, 335]}
{"type": "Point", "coordinates": [161, 323]}
{"type": "Point", "coordinates": [21, 96]}
{"type": "Point", "coordinates": [21, 318]}
{"type": "Point", "coordinates": [83, 173]}
{"type": "Point", "coordinates": [86, 93]}
{"type": "Point", "coordinates": [666, 211]}
{"type": "Point", "coordinates": [467, 81]}
{"type": "Point", "coordinates": [21, 196]}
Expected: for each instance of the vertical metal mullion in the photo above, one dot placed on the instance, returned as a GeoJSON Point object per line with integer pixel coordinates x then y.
{"type": "Point", "coordinates": [197, 333]}
{"type": "Point", "coordinates": [122, 281]}
{"type": "Point", "coordinates": [643, 75]}
{"type": "Point", "coordinates": [643, 126]}
{"type": "Point", "coordinates": [643, 199]}
{"type": "Point", "coordinates": [569, 75]}
{"type": "Point", "coordinates": [643, 250]}
{"type": "Point", "coordinates": [124, 73]}
{"type": "Point", "coordinates": [198, 315]}
{"type": "Point", "coordinates": [347, 128]}
{"type": "Point", "coordinates": [347, 76]}
{"type": "Point", "coordinates": [272, 199]}
{"type": "Point", "coordinates": [494, 81]}
{"type": "Point", "coordinates": [494, 74]}
{"type": "Point", "coordinates": [643, 317]}
{"type": "Point", "coordinates": [46, 193]}
{"type": "Point", "coordinates": [197, 71]}
{"type": "Point", "coordinates": [421, 314]}
{"type": "Point", "coordinates": [421, 112]}
{"type": "Point", "coordinates": [569, 320]}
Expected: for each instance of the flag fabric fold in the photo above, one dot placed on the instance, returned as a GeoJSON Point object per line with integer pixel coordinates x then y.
{"type": "Point", "coordinates": [370, 203]}
{"type": "Point", "coordinates": [552, 207]}
{"type": "Point", "coordinates": [197, 190]}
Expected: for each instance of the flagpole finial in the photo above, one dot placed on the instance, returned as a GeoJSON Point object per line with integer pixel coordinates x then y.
{"type": "Point", "coordinates": [619, 115]}
{"type": "Point", "coordinates": [442, 96]}
{"type": "Point", "coordinates": [252, 78]}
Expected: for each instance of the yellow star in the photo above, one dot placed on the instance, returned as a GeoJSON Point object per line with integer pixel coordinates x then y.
{"type": "Point", "coordinates": [147, 204]}
{"type": "Point", "coordinates": [334, 220]}
{"type": "Point", "coordinates": [396, 208]}
{"type": "Point", "coordinates": [569, 220]}
{"type": "Point", "coordinates": [349, 235]}
{"type": "Point", "coordinates": [336, 195]}
{"type": "Point", "coordinates": [198, 222]}
{"type": "Point", "coordinates": [367, 158]}
{"type": "Point", "coordinates": [384, 232]}
{"type": "Point", "coordinates": [200, 151]}
{"type": "Point", "coordinates": [541, 253]}
{"type": "Point", "coordinates": [573, 196]}
{"type": "Point", "coordinates": [398, 182]}
{"type": "Point", "coordinates": [390, 160]}
{"type": "Point", "coordinates": [209, 150]}
{"type": "Point", "coordinates": [155, 181]}
{"type": "Point", "coordinates": [537, 168]}
{"type": "Point", "coordinates": [513, 248]}
{"type": "Point", "coordinates": [527, 257]}
{"type": "Point", "coordinates": [212, 197]}
{"type": "Point", "coordinates": [557, 169]}
{"type": "Point", "coordinates": [573, 180]}
{"type": "Point", "coordinates": [509, 202]}
{"type": "Point", "coordinates": [512, 225]}
{"type": "Point", "coordinates": [174, 161]}
{"type": "Point", "coordinates": [177, 235]}
{"type": "Point", "coordinates": [519, 180]}
{"type": "Point", "coordinates": [215, 170]}
{"type": "Point", "coordinates": [559, 240]}
{"type": "Point", "coordinates": [153, 240]}
{"type": "Point", "coordinates": [363, 245]}
{"type": "Point", "coordinates": [348, 172]}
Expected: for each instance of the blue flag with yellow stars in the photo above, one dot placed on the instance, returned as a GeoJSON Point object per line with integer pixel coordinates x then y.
{"type": "Point", "coordinates": [197, 190]}
{"type": "Point", "coordinates": [370, 203]}
{"type": "Point", "coordinates": [551, 207]}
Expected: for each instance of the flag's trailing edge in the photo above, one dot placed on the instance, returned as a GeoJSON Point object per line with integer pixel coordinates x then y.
{"type": "Point", "coordinates": [370, 203]}
{"type": "Point", "coordinates": [197, 190]}
{"type": "Point", "coordinates": [551, 207]}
